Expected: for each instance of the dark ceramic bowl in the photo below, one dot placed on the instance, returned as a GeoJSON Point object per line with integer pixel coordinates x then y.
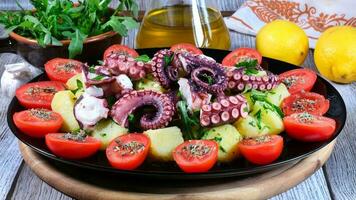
{"type": "Point", "coordinates": [37, 56]}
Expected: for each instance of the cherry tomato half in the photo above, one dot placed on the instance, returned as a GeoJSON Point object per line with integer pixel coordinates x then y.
{"type": "Point", "coordinates": [38, 122]}
{"type": "Point", "coordinates": [38, 94]}
{"type": "Point", "coordinates": [310, 102]}
{"type": "Point", "coordinates": [72, 148]}
{"type": "Point", "coordinates": [262, 150]}
{"type": "Point", "coordinates": [309, 128]}
{"type": "Point", "coordinates": [61, 69]}
{"type": "Point", "coordinates": [239, 54]}
{"type": "Point", "coordinates": [186, 47]}
{"type": "Point", "coordinates": [196, 156]}
{"type": "Point", "coordinates": [120, 49]}
{"type": "Point", "coordinates": [298, 80]}
{"type": "Point", "coordinates": [127, 152]}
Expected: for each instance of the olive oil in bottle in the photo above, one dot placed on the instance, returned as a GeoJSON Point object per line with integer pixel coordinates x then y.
{"type": "Point", "coordinates": [174, 24]}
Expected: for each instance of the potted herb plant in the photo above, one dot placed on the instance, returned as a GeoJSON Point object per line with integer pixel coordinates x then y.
{"type": "Point", "coordinates": [62, 28]}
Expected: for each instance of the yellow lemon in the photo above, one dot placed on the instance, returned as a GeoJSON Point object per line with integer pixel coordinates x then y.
{"type": "Point", "coordinates": [283, 40]}
{"type": "Point", "coordinates": [335, 54]}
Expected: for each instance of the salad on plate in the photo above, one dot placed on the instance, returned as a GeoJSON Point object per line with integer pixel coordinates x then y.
{"type": "Point", "coordinates": [180, 105]}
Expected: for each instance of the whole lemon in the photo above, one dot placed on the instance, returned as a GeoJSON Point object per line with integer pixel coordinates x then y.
{"type": "Point", "coordinates": [335, 54]}
{"type": "Point", "coordinates": [283, 40]}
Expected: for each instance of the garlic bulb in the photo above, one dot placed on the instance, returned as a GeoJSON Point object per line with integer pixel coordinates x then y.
{"type": "Point", "coordinates": [13, 77]}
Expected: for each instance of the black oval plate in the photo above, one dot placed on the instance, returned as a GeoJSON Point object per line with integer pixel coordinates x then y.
{"type": "Point", "coordinates": [292, 152]}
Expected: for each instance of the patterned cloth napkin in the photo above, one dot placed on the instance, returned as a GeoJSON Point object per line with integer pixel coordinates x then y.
{"type": "Point", "coordinates": [314, 16]}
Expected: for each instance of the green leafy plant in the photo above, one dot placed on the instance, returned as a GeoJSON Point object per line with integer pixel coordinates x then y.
{"type": "Point", "coordinates": [55, 20]}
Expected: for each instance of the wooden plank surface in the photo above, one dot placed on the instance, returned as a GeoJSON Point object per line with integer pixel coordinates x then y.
{"type": "Point", "coordinates": [340, 170]}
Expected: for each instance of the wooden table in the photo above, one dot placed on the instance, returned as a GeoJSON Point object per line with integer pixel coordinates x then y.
{"type": "Point", "coordinates": [336, 179]}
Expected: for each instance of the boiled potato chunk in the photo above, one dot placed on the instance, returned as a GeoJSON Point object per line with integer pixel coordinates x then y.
{"type": "Point", "coordinates": [147, 84]}
{"type": "Point", "coordinates": [228, 138]}
{"type": "Point", "coordinates": [248, 127]}
{"type": "Point", "coordinates": [72, 82]}
{"type": "Point", "coordinates": [163, 142]}
{"type": "Point", "coordinates": [106, 131]}
{"type": "Point", "coordinates": [268, 117]}
{"type": "Point", "coordinates": [277, 94]}
{"type": "Point", "coordinates": [63, 103]}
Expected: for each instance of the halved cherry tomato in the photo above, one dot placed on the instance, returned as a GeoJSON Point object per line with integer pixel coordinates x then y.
{"type": "Point", "coordinates": [241, 54]}
{"type": "Point", "coordinates": [298, 80]}
{"type": "Point", "coordinates": [196, 156]}
{"type": "Point", "coordinates": [309, 128]}
{"type": "Point", "coordinates": [38, 94]}
{"type": "Point", "coordinates": [187, 47]}
{"type": "Point", "coordinates": [61, 69]}
{"type": "Point", "coordinates": [120, 49]}
{"type": "Point", "coordinates": [262, 150]}
{"type": "Point", "coordinates": [72, 148]}
{"type": "Point", "coordinates": [309, 102]}
{"type": "Point", "coordinates": [38, 122]}
{"type": "Point", "coordinates": [127, 152]}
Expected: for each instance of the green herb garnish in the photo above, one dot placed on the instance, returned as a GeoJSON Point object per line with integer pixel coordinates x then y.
{"type": "Point", "coordinates": [259, 119]}
{"type": "Point", "coordinates": [79, 87]}
{"type": "Point", "coordinates": [262, 96]}
{"type": "Point", "coordinates": [56, 20]}
{"type": "Point", "coordinates": [249, 65]}
{"type": "Point", "coordinates": [143, 58]}
{"type": "Point", "coordinates": [111, 101]}
{"type": "Point", "coordinates": [91, 69]}
{"type": "Point", "coordinates": [208, 79]}
{"type": "Point", "coordinates": [98, 77]}
{"type": "Point", "coordinates": [222, 149]}
{"type": "Point", "coordinates": [190, 122]}
{"type": "Point", "coordinates": [167, 60]}
{"type": "Point", "coordinates": [217, 139]}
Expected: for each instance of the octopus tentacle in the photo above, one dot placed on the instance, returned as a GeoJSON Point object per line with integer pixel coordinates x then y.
{"type": "Point", "coordinates": [225, 109]}
{"type": "Point", "coordinates": [116, 64]}
{"type": "Point", "coordinates": [205, 73]}
{"type": "Point", "coordinates": [159, 69]}
{"type": "Point", "coordinates": [211, 79]}
{"type": "Point", "coordinates": [127, 104]}
{"type": "Point", "coordinates": [239, 81]}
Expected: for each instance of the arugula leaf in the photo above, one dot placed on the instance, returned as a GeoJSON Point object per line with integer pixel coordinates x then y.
{"type": "Point", "coordinates": [76, 44]}
{"type": "Point", "coordinates": [190, 123]}
{"type": "Point", "coordinates": [144, 58]}
{"type": "Point", "coordinates": [56, 20]}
